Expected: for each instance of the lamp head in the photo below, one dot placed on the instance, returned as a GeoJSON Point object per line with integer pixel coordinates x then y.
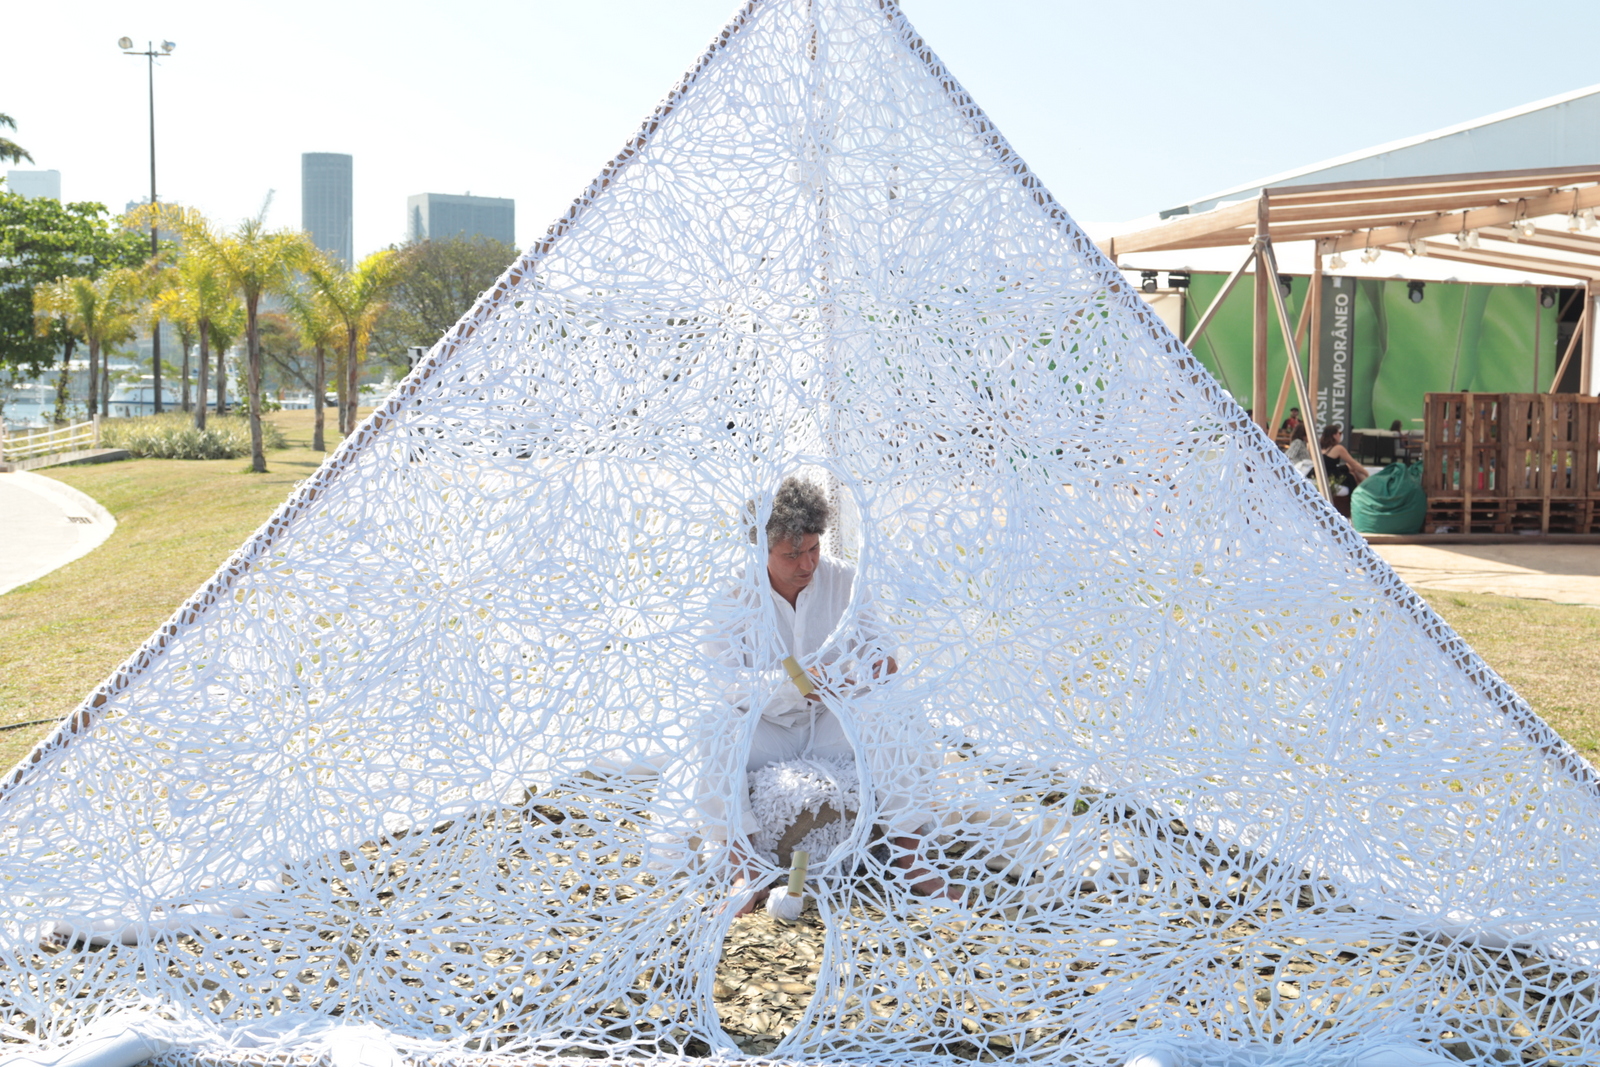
{"type": "Point", "coordinates": [124, 43]}
{"type": "Point", "coordinates": [168, 46]}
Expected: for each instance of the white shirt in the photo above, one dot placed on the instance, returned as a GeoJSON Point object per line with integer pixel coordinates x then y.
{"type": "Point", "coordinates": [802, 631]}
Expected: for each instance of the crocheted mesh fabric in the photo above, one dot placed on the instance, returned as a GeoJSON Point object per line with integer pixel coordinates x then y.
{"type": "Point", "coordinates": [440, 750]}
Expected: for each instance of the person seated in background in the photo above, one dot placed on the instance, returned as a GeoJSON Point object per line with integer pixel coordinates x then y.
{"type": "Point", "coordinates": [1299, 450]}
{"type": "Point", "coordinates": [1340, 465]}
{"type": "Point", "coordinates": [1285, 434]}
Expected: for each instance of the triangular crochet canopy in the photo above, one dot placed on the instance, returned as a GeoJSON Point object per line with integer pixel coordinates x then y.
{"type": "Point", "coordinates": [442, 751]}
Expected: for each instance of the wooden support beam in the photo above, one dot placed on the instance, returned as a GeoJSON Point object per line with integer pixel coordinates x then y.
{"type": "Point", "coordinates": [1258, 334]}
{"type": "Point", "coordinates": [1314, 341]}
{"type": "Point", "coordinates": [1572, 346]}
{"type": "Point", "coordinates": [1385, 212]}
{"type": "Point", "coordinates": [1555, 240]}
{"type": "Point", "coordinates": [1559, 203]}
{"type": "Point", "coordinates": [1288, 372]}
{"type": "Point", "coordinates": [1341, 227]}
{"type": "Point", "coordinates": [1537, 176]}
{"type": "Point", "coordinates": [1586, 369]}
{"type": "Point", "coordinates": [1424, 199]}
{"type": "Point", "coordinates": [1268, 265]}
{"type": "Point", "coordinates": [1182, 228]}
{"type": "Point", "coordinates": [1547, 465]}
{"type": "Point", "coordinates": [1216, 301]}
{"type": "Point", "coordinates": [1538, 322]}
{"type": "Point", "coordinates": [1505, 261]}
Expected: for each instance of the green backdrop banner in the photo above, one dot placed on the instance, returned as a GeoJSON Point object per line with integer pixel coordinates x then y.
{"type": "Point", "coordinates": [1382, 350]}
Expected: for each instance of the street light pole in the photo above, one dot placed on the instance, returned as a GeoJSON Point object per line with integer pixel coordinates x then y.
{"type": "Point", "coordinates": [151, 55]}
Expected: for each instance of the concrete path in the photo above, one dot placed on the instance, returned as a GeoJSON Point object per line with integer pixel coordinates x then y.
{"type": "Point", "coordinates": [1566, 574]}
{"type": "Point", "coordinates": [45, 524]}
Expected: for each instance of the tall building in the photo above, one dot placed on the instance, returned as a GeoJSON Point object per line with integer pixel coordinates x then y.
{"type": "Point", "coordinates": [327, 203]}
{"type": "Point", "coordinates": [35, 183]}
{"type": "Point", "coordinates": [434, 216]}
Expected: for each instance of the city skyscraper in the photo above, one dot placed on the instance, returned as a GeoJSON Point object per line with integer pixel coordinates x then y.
{"type": "Point", "coordinates": [327, 203]}
{"type": "Point", "coordinates": [434, 216]}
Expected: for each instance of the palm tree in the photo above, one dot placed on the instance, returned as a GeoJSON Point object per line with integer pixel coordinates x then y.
{"type": "Point", "coordinates": [357, 297]}
{"type": "Point", "coordinates": [252, 261]}
{"type": "Point", "coordinates": [103, 311]}
{"type": "Point", "coordinates": [227, 323]}
{"type": "Point", "coordinates": [320, 328]}
{"type": "Point", "coordinates": [64, 379]}
{"type": "Point", "coordinates": [11, 151]}
{"type": "Point", "coordinates": [195, 296]}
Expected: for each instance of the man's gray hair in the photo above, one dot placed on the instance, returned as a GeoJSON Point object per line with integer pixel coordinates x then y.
{"type": "Point", "coordinates": [799, 508]}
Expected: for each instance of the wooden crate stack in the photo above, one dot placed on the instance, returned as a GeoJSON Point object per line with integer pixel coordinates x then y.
{"type": "Point", "coordinates": [1461, 463]}
{"type": "Point", "coordinates": [1512, 463]}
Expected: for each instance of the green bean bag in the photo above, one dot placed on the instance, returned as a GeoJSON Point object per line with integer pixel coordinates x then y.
{"type": "Point", "coordinates": [1392, 501]}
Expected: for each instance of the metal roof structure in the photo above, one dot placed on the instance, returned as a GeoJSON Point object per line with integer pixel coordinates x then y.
{"type": "Point", "coordinates": [1559, 131]}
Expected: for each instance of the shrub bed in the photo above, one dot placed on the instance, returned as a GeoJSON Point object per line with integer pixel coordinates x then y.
{"type": "Point", "coordinates": [173, 436]}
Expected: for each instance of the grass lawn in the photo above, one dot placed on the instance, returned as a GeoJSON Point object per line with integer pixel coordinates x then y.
{"type": "Point", "coordinates": [178, 520]}
{"type": "Point", "coordinates": [1550, 653]}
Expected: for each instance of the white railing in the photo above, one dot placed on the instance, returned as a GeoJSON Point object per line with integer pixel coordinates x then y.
{"type": "Point", "coordinates": [28, 444]}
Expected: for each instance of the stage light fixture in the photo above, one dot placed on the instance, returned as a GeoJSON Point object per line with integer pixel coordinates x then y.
{"type": "Point", "coordinates": [1147, 281]}
{"type": "Point", "coordinates": [1370, 255]}
{"type": "Point", "coordinates": [1547, 297]}
{"type": "Point", "coordinates": [1178, 279]}
{"type": "Point", "coordinates": [124, 43]}
{"type": "Point", "coordinates": [1414, 291]}
{"type": "Point", "coordinates": [1336, 263]}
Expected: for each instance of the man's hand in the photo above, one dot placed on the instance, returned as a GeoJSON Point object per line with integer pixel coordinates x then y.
{"type": "Point", "coordinates": [880, 669]}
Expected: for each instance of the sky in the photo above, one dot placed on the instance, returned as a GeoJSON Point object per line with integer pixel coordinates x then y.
{"type": "Point", "coordinates": [1121, 108]}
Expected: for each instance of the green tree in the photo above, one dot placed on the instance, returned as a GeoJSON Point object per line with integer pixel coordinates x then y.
{"type": "Point", "coordinates": [320, 328]}
{"type": "Point", "coordinates": [196, 297]}
{"type": "Point", "coordinates": [253, 261]}
{"type": "Point", "coordinates": [227, 326]}
{"type": "Point", "coordinates": [104, 312]}
{"type": "Point", "coordinates": [357, 297]}
{"type": "Point", "coordinates": [42, 240]}
{"type": "Point", "coordinates": [10, 151]}
{"type": "Point", "coordinates": [435, 283]}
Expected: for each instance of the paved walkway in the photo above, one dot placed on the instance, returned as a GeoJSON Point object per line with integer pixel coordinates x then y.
{"type": "Point", "coordinates": [1566, 574]}
{"type": "Point", "coordinates": [45, 524]}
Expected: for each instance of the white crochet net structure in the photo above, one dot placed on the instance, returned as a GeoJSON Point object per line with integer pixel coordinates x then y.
{"type": "Point", "coordinates": [434, 753]}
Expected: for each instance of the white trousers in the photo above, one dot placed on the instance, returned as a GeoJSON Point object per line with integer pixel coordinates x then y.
{"type": "Point", "coordinates": [898, 774]}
